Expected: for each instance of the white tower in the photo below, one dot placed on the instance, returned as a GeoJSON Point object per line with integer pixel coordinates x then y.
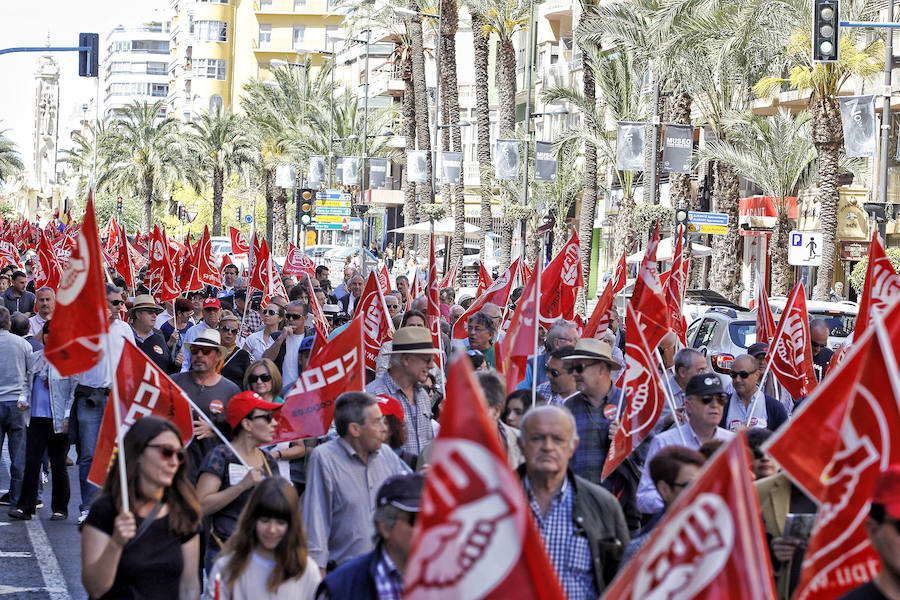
{"type": "Point", "coordinates": [46, 124]}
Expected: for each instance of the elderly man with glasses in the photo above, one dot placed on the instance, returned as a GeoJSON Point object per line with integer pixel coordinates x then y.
{"type": "Point", "coordinates": [704, 405]}
{"type": "Point", "coordinates": [748, 406]}
{"type": "Point", "coordinates": [212, 312]}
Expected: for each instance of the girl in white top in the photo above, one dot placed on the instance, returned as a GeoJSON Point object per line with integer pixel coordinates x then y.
{"type": "Point", "coordinates": [266, 556]}
{"type": "Point", "coordinates": [273, 320]}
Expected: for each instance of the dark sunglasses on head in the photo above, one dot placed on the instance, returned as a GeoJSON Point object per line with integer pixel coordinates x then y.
{"type": "Point", "coordinates": [717, 397]}
{"type": "Point", "coordinates": [292, 317]}
{"type": "Point", "coordinates": [229, 329]}
{"type": "Point", "coordinates": [204, 350]}
{"type": "Point", "coordinates": [253, 378]}
{"type": "Point", "coordinates": [267, 417]}
{"type": "Point", "coordinates": [741, 374]}
{"type": "Point", "coordinates": [168, 451]}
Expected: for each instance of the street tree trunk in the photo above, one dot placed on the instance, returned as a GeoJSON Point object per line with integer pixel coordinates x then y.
{"type": "Point", "coordinates": [782, 272]}
{"type": "Point", "coordinates": [827, 135]}
{"type": "Point", "coordinates": [452, 140]}
{"type": "Point", "coordinates": [589, 197]}
{"type": "Point", "coordinates": [623, 236]}
{"type": "Point", "coordinates": [280, 245]}
{"type": "Point", "coordinates": [483, 108]}
{"type": "Point", "coordinates": [506, 88]}
{"type": "Point", "coordinates": [218, 181]}
{"type": "Point", "coordinates": [147, 193]}
{"type": "Point", "coordinates": [270, 190]}
{"type": "Point", "coordinates": [423, 133]}
{"type": "Point", "coordinates": [411, 205]}
{"type": "Point", "coordinates": [727, 259]}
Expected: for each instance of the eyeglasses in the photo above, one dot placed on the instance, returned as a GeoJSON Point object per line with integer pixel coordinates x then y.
{"type": "Point", "coordinates": [393, 306]}
{"type": "Point", "coordinates": [267, 417]}
{"type": "Point", "coordinates": [204, 350]}
{"type": "Point", "coordinates": [816, 344]}
{"type": "Point", "coordinates": [253, 378]}
{"type": "Point", "coordinates": [718, 398]}
{"type": "Point", "coordinates": [579, 367]}
{"type": "Point", "coordinates": [741, 374]}
{"type": "Point", "coordinates": [292, 317]}
{"type": "Point", "coordinates": [554, 373]}
{"type": "Point", "coordinates": [168, 452]}
{"type": "Point", "coordinates": [224, 329]}
{"type": "Point", "coordinates": [428, 388]}
{"type": "Point", "coordinates": [116, 302]}
{"type": "Point", "coordinates": [270, 312]}
{"type": "Point", "coordinates": [476, 329]}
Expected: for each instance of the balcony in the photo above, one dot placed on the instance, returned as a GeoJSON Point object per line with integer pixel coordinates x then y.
{"type": "Point", "coordinates": [385, 84]}
{"type": "Point", "coordinates": [556, 9]}
{"type": "Point", "coordinates": [556, 76]}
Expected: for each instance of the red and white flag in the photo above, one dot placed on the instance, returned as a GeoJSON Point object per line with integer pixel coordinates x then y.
{"type": "Point", "coordinates": [497, 294]}
{"type": "Point", "coordinates": [560, 283]}
{"type": "Point", "coordinates": [81, 316]}
{"type": "Point", "coordinates": [881, 286]}
{"type": "Point", "coordinates": [9, 256]}
{"type": "Point", "coordinates": [297, 263]}
{"type": "Point", "coordinates": [203, 261]}
{"type": "Point", "coordinates": [226, 260]}
{"type": "Point", "coordinates": [333, 368]}
{"type": "Point", "coordinates": [675, 289]}
{"type": "Point", "coordinates": [790, 352]}
{"type": "Point", "coordinates": [320, 321]}
{"type": "Point", "coordinates": [484, 280]}
{"type": "Point", "coordinates": [46, 268]}
{"type": "Point", "coordinates": [158, 258]}
{"type": "Point", "coordinates": [238, 243]}
{"type": "Point", "coordinates": [144, 389]}
{"type": "Point", "coordinates": [765, 322]}
{"type": "Point", "coordinates": [643, 396]}
{"type": "Point", "coordinates": [710, 545]}
{"type": "Point", "coordinates": [599, 322]}
{"type": "Point", "coordinates": [433, 309]}
{"type": "Point", "coordinates": [383, 281]}
{"type": "Point", "coordinates": [647, 299]}
{"type": "Point", "coordinates": [273, 279]}
{"type": "Point", "coordinates": [123, 265]}
{"type": "Point", "coordinates": [169, 289]}
{"type": "Point", "coordinates": [475, 537]}
{"type": "Point", "coordinates": [377, 325]}
{"type": "Point", "coordinates": [449, 279]}
{"type": "Point", "coordinates": [518, 344]}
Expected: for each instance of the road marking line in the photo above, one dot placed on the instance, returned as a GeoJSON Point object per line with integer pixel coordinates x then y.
{"type": "Point", "coordinates": [15, 554]}
{"type": "Point", "coordinates": [54, 582]}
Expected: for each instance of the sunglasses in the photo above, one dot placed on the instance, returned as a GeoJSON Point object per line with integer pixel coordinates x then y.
{"type": "Point", "coordinates": [578, 368]}
{"type": "Point", "coordinates": [267, 417]}
{"type": "Point", "coordinates": [251, 379]}
{"type": "Point", "coordinates": [270, 312]}
{"type": "Point", "coordinates": [204, 350]}
{"type": "Point", "coordinates": [428, 389]}
{"type": "Point", "coordinates": [292, 317]}
{"type": "Point", "coordinates": [116, 302]}
{"type": "Point", "coordinates": [168, 452]}
{"type": "Point", "coordinates": [393, 306]}
{"type": "Point", "coordinates": [719, 398]}
{"type": "Point", "coordinates": [229, 329]}
{"type": "Point", "coordinates": [554, 373]}
{"type": "Point", "coordinates": [741, 374]}
{"type": "Point", "coordinates": [817, 345]}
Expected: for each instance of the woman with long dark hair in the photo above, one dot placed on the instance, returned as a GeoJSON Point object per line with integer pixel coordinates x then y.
{"type": "Point", "coordinates": [154, 551]}
{"type": "Point", "coordinates": [266, 555]}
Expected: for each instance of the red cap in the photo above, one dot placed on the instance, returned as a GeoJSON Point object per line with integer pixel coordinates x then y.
{"type": "Point", "coordinates": [887, 491]}
{"type": "Point", "coordinates": [390, 406]}
{"type": "Point", "coordinates": [212, 303]}
{"type": "Point", "coordinates": [243, 404]}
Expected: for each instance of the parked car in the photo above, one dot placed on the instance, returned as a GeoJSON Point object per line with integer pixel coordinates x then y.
{"type": "Point", "coordinates": [336, 259]}
{"type": "Point", "coordinates": [220, 245]}
{"type": "Point", "coordinates": [318, 251]}
{"type": "Point", "coordinates": [840, 316]}
{"type": "Point", "coordinates": [722, 333]}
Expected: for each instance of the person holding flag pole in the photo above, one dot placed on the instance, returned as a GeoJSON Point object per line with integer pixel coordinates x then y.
{"type": "Point", "coordinates": [538, 268]}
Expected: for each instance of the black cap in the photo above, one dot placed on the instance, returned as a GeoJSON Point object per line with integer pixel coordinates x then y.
{"type": "Point", "coordinates": [704, 384]}
{"type": "Point", "coordinates": [758, 348]}
{"type": "Point", "coordinates": [402, 491]}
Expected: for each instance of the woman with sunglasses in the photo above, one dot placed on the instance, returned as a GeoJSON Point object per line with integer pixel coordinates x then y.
{"type": "Point", "coordinates": [266, 556]}
{"type": "Point", "coordinates": [152, 551]}
{"type": "Point", "coordinates": [225, 484]}
{"type": "Point", "coordinates": [234, 360]}
{"type": "Point", "coordinates": [178, 324]}
{"type": "Point", "coordinates": [273, 321]}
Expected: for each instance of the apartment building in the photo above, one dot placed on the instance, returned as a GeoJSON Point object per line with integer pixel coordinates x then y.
{"type": "Point", "coordinates": [135, 67]}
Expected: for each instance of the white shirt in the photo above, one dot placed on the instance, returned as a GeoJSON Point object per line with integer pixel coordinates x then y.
{"type": "Point", "coordinates": [257, 343]}
{"type": "Point", "coordinates": [253, 582]}
{"type": "Point", "coordinates": [98, 376]}
{"type": "Point", "coordinates": [162, 318]}
{"type": "Point", "coordinates": [36, 324]}
{"type": "Point", "coordinates": [738, 413]}
{"type": "Point", "coordinates": [290, 369]}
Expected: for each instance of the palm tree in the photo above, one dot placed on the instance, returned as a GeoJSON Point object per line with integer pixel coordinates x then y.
{"type": "Point", "coordinates": [220, 145]}
{"type": "Point", "coordinates": [81, 156]}
{"type": "Point", "coordinates": [142, 154]}
{"type": "Point", "coordinates": [10, 163]}
{"type": "Point", "coordinates": [823, 81]}
{"type": "Point", "coordinates": [452, 140]}
{"type": "Point", "coordinates": [481, 41]}
{"type": "Point", "coordinates": [773, 152]}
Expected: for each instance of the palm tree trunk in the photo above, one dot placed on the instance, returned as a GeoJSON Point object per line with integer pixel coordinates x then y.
{"type": "Point", "coordinates": [483, 108]}
{"type": "Point", "coordinates": [727, 259]}
{"type": "Point", "coordinates": [281, 227]}
{"type": "Point", "coordinates": [623, 236]}
{"type": "Point", "coordinates": [218, 180]}
{"type": "Point", "coordinates": [827, 134]}
{"type": "Point", "coordinates": [782, 272]}
{"type": "Point", "coordinates": [270, 191]}
{"type": "Point", "coordinates": [680, 184]}
{"type": "Point", "coordinates": [589, 197]}
{"type": "Point", "coordinates": [410, 207]}
{"type": "Point", "coordinates": [147, 192]}
{"type": "Point", "coordinates": [453, 135]}
{"type": "Point", "coordinates": [506, 88]}
{"type": "Point", "coordinates": [423, 133]}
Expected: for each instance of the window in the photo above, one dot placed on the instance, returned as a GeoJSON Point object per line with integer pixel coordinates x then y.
{"type": "Point", "coordinates": [216, 104]}
{"type": "Point", "coordinates": [265, 4]}
{"type": "Point", "coordinates": [705, 333]}
{"type": "Point", "coordinates": [157, 68]}
{"type": "Point", "coordinates": [214, 1]}
{"type": "Point", "coordinates": [299, 5]}
{"type": "Point", "coordinates": [209, 68]}
{"type": "Point", "coordinates": [299, 33]}
{"type": "Point", "coordinates": [150, 46]}
{"type": "Point", "coordinates": [120, 67]}
{"type": "Point", "coordinates": [265, 36]}
{"type": "Point", "coordinates": [212, 31]}
{"type": "Point", "coordinates": [159, 90]}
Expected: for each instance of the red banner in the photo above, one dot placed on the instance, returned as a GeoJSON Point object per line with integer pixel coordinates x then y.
{"type": "Point", "coordinates": [790, 351]}
{"type": "Point", "coordinates": [560, 283]}
{"type": "Point", "coordinates": [882, 285]}
{"type": "Point", "coordinates": [497, 294]}
{"type": "Point", "coordinates": [519, 342]}
{"type": "Point", "coordinates": [297, 263]}
{"type": "Point", "coordinates": [144, 389]}
{"type": "Point", "coordinates": [377, 325]}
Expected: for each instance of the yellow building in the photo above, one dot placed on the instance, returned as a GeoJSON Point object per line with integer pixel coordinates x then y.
{"type": "Point", "coordinates": [218, 45]}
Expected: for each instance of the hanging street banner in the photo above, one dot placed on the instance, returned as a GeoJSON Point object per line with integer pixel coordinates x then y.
{"type": "Point", "coordinates": [286, 176]}
{"type": "Point", "coordinates": [507, 166]}
{"type": "Point", "coordinates": [377, 172]}
{"type": "Point", "coordinates": [339, 170]}
{"type": "Point", "coordinates": [417, 166]}
{"type": "Point", "coordinates": [858, 118]}
{"type": "Point", "coordinates": [630, 146]}
{"type": "Point", "coordinates": [451, 168]}
{"type": "Point", "coordinates": [316, 176]}
{"type": "Point", "coordinates": [678, 145]}
{"type": "Point", "coordinates": [545, 164]}
{"type": "Point", "coordinates": [707, 223]}
{"type": "Point", "coordinates": [351, 170]}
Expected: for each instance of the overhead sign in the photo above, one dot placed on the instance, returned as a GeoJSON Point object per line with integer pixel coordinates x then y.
{"type": "Point", "coordinates": [332, 223]}
{"type": "Point", "coordinates": [707, 223]}
{"type": "Point", "coordinates": [332, 203]}
{"type": "Point", "coordinates": [805, 248]}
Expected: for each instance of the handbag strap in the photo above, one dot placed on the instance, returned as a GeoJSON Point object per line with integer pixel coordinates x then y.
{"type": "Point", "coordinates": [145, 524]}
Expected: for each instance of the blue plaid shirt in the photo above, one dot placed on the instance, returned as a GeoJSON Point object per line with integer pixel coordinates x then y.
{"type": "Point", "coordinates": [593, 434]}
{"type": "Point", "coordinates": [567, 547]}
{"type": "Point", "coordinates": [388, 579]}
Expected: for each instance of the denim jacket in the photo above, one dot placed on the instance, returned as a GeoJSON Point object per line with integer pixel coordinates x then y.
{"type": "Point", "coordinates": [62, 390]}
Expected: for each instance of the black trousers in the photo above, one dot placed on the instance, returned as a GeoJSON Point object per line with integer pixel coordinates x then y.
{"type": "Point", "coordinates": [41, 438]}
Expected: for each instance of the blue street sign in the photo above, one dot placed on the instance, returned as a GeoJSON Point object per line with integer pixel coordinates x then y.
{"type": "Point", "coordinates": [248, 219]}
{"type": "Point", "coordinates": [709, 223]}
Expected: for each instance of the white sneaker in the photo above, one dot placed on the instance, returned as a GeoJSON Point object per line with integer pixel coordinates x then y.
{"type": "Point", "coordinates": [45, 478]}
{"type": "Point", "coordinates": [83, 516]}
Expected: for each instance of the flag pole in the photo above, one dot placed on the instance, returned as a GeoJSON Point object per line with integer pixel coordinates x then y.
{"type": "Point", "coordinates": [117, 412]}
{"type": "Point", "coordinates": [755, 397]}
{"type": "Point", "coordinates": [215, 429]}
{"type": "Point", "coordinates": [537, 321]}
{"type": "Point", "coordinates": [670, 397]}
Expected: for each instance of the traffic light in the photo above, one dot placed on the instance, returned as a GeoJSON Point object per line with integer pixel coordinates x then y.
{"type": "Point", "coordinates": [88, 60]}
{"type": "Point", "coordinates": [826, 30]}
{"type": "Point", "coordinates": [239, 213]}
{"type": "Point", "coordinates": [305, 207]}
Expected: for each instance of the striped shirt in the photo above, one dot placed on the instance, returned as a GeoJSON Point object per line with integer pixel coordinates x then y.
{"type": "Point", "coordinates": [416, 414]}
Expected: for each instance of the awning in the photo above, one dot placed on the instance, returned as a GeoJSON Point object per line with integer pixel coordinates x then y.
{"type": "Point", "coordinates": [443, 227]}
{"type": "Point", "coordinates": [665, 252]}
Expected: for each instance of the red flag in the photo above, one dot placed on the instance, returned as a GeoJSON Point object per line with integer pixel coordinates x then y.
{"type": "Point", "coordinates": [46, 268]}
{"type": "Point", "coordinates": [475, 537]}
{"type": "Point", "coordinates": [675, 288]}
{"type": "Point", "coordinates": [333, 368]}
{"type": "Point", "coordinates": [711, 544]}
{"type": "Point", "coordinates": [497, 294]}
{"type": "Point", "coordinates": [82, 314]}
{"type": "Point", "coordinates": [238, 243]}
{"type": "Point", "coordinates": [449, 279]}
{"type": "Point", "coordinates": [112, 238]}
{"type": "Point", "coordinates": [226, 260]}
{"type": "Point", "coordinates": [882, 284]}
{"type": "Point", "coordinates": [418, 287]}
{"type": "Point", "coordinates": [169, 289]}
{"type": "Point", "coordinates": [644, 398]}
{"type": "Point", "coordinates": [9, 255]}
{"type": "Point", "coordinates": [123, 262]}
{"type": "Point", "coordinates": [275, 285]}
{"type": "Point", "coordinates": [484, 280]}
{"type": "Point", "coordinates": [259, 267]}
{"type": "Point", "coordinates": [377, 325]}
{"type": "Point", "coordinates": [790, 352]}
{"type": "Point", "coordinates": [518, 344]}
{"type": "Point", "coordinates": [203, 261]}
{"type": "Point", "coordinates": [297, 263]}
{"type": "Point", "coordinates": [599, 322]}
{"type": "Point", "coordinates": [765, 322]}
{"type": "Point", "coordinates": [648, 300]}
{"type": "Point", "coordinates": [320, 322]}
{"type": "Point", "coordinates": [383, 282]}
{"type": "Point", "coordinates": [560, 283]}
{"type": "Point", "coordinates": [158, 254]}
{"type": "Point", "coordinates": [839, 556]}
{"type": "Point", "coordinates": [144, 389]}
{"type": "Point", "coordinates": [433, 310]}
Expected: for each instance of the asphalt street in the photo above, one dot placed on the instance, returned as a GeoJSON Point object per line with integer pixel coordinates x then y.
{"type": "Point", "coordinates": [40, 558]}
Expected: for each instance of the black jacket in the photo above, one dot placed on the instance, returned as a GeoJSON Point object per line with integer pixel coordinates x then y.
{"type": "Point", "coordinates": [598, 516]}
{"type": "Point", "coordinates": [354, 579]}
{"type": "Point", "coordinates": [157, 350]}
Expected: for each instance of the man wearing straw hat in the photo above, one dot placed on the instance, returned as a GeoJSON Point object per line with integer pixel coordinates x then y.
{"type": "Point", "coordinates": [149, 339]}
{"type": "Point", "coordinates": [411, 357]}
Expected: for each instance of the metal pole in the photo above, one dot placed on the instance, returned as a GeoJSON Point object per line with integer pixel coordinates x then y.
{"type": "Point", "coordinates": [886, 109]}
{"type": "Point", "coordinates": [437, 98]}
{"type": "Point", "coordinates": [528, 68]}
{"type": "Point", "coordinates": [362, 180]}
{"type": "Point", "coordinates": [96, 135]}
{"type": "Point", "coordinates": [654, 141]}
{"type": "Point", "coordinates": [331, 119]}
